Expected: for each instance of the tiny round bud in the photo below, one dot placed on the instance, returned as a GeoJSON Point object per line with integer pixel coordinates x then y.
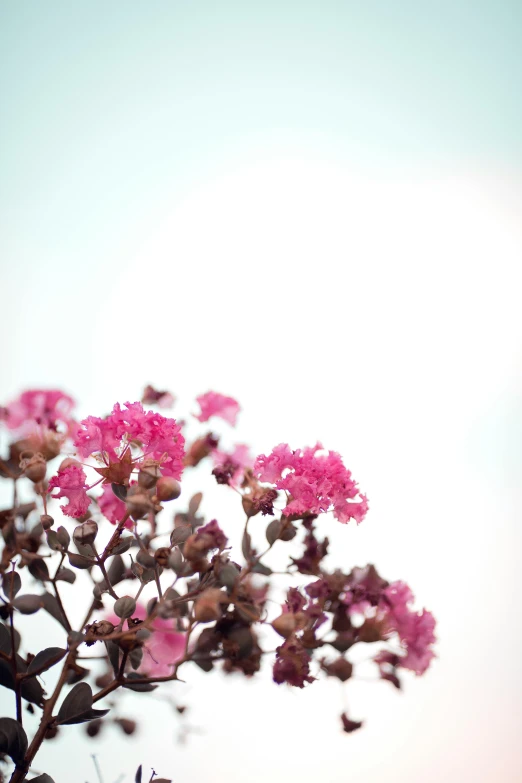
{"type": "Point", "coordinates": [47, 521]}
{"type": "Point", "coordinates": [161, 556]}
{"type": "Point", "coordinates": [167, 488]}
{"type": "Point", "coordinates": [125, 606]}
{"type": "Point", "coordinates": [128, 726]}
{"type": "Point", "coordinates": [285, 624]}
{"type": "Point", "coordinates": [138, 503]}
{"type": "Point", "coordinates": [51, 732]}
{"type": "Point", "coordinates": [208, 606]}
{"type": "Point", "coordinates": [93, 728]}
{"type": "Point", "coordinates": [85, 534]}
{"type": "Point", "coordinates": [34, 468]}
{"type": "Point", "coordinates": [149, 474]}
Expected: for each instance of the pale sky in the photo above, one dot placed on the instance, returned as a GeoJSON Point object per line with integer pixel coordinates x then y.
{"type": "Point", "coordinates": [314, 208]}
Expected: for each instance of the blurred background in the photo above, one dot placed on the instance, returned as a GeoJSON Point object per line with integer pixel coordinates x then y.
{"type": "Point", "coordinates": [313, 207]}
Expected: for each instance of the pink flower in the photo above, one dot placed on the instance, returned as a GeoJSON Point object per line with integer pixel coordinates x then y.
{"type": "Point", "coordinates": [215, 404]}
{"type": "Point", "coordinates": [316, 482]}
{"type": "Point", "coordinates": [43, 407]}
{"type": "Point", "coordinates": [71, 483]}
{"type": "Point", "coordinates": [163, 649]}
{"type": "Point", "coordinates": [233, 463]}
{"type": "Point", "coordinates": [416, 631]}
{"type": "Point", "coordinates": [159, 438]}
{"type": "Point", "coordinates": [112, 507]}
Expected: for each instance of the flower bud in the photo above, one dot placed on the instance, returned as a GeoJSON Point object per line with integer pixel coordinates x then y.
{"type": "Point", "coordinates": [125, 606]}
{"type": "Point", "coordinates": [208, 606]}
{"type": "Point", "coordinates": [85, 534]}
{"type": "Point", "coordinates": [126, 725]}
{"type": "Point", "coordinates": [285, 624]}
{"type": "Point", "coordinates": [94, 727]}
{"type": "Point", "coordinates": [149, 474]}
{"type": "Point", "coordinates": [161, 556]}
{"type": "Point", "coordinates": [167, 488]}
{"type": "Point", "coordinates": [34, 468]}
{"type": "Point", "coordinates": [138, 503]}
{"type": "Point", "coordinates": [46, 521]}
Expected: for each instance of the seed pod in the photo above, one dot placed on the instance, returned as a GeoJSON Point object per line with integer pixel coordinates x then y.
{"type": "Point", "coordinates": [126, 725]}
{"type": "Point", "coordinates": [138, 503]}
{"type": "Point", "coordinates": [285, 624]}
{"type": "Point", "coordinates": [161, 556]}
{"type": "Point", "coordinates": [167, 488]}
{"type": "Point", "coordinates": [208, 606]}
{"type": "Point", "coordinates": [125, 606]}
{"type": "Point", "coordinates": [85, 534]}
{"type": "Point", "coordinates": [47, 521]}
{"type": "Point", "coordinates": [34, 468]}
{"type": "Point", "coordinates": [149, 474]}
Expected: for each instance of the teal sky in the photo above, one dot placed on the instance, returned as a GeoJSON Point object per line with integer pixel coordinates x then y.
{"type": "Point", "coordinates": [110, 110]}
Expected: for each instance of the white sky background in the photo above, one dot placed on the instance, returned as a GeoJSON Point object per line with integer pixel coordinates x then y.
{"type": "Point", "coordinates": [374, 308]}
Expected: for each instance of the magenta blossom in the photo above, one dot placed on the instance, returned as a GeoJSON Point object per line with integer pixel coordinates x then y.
{"type": "Point", "coordinates": [215, 404]}
{"type": "Point", "coordinates": [315, 482]}
{"type": "Point", "coordinates": [47, 408]}
{"type": "Point", "coordinates": [416, 631]}
{"type": "Point", "coordinates": [163, 649]}
{"type": "Point", "coordinates": [158, 437]}
{"type": "Point", "coordinates": [71, 483]}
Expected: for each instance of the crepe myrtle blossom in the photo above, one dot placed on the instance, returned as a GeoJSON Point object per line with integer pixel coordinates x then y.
{"type": "Point", "coordinates": [110, 440]}
{"type": "Point", "coordinates": [70, 481]}
{"type": "Point", "coordinates": [215, 404]}
{"type": "Point", "coordinates": [48, 408]}
{"type": "Point", "coordinates": [206, 587]}
{"type": "Point", "coordinates": [316, 481]}
{"type": "Point", "coordinates": [415, 630]}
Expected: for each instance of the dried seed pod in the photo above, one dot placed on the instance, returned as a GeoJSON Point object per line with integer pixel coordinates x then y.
{"type": "Point", "coordinates": [149, 474]}
{"type": "Point", "coordinates": [47, 521]}
{"type": "Point", "coordinates": [161, 556]}
{"type": "Point", "coordinates": [34, 468]}
{"type": "Point", "coordinates": [285, 624]}
{"type": "Point", "coordinates": [208, 606]}
{"type": "Point", "coordinates": [167, 488]}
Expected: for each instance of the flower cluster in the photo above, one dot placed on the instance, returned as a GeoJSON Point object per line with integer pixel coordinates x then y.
{"type": "Point", "coordinates": [316, 482]}
{"type": "Point", "coordinates": [168, 589]}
